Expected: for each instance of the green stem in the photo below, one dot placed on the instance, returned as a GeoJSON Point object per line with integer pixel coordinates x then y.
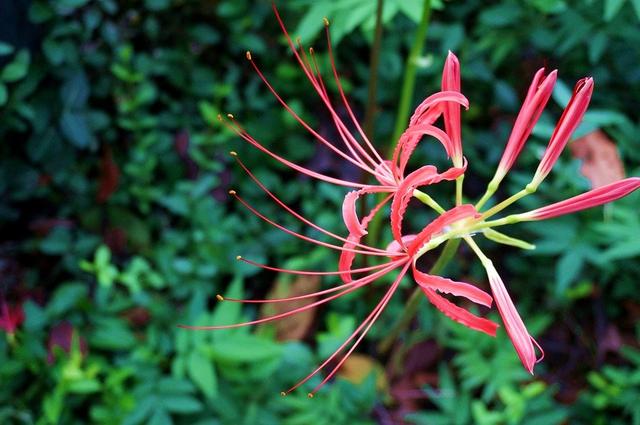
{"type": "Point", "coordinates": [459, 181]}
{"type": "Point", "coordinates": [411, 308]}
{"type": "Point", "coordinates": [428, 200]}
{"type": "Point", "coordinates": [409, 81]}
{"type": "Point", "coordinates": [504, 204]}
{"type": "Point", "coordinates": [374, 60]}
{"type": "Point", "coordinates": [406, 96]}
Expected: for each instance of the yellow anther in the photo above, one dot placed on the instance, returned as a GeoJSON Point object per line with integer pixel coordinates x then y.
{"type": "Point", "coordinates": [232, 192]}
{"type": "Point", "coordinates": [220, 297]}
{"type": "Point", "coordinates": [248, 55]}
{"type": "Point", "coordinates": [310, 395]}
{"type": "Point", "coordinates": [233, 153]}
{"type": "Point", "coordinates": [238, 257]}
{"type": "Point", "coordinates": [326, 22]}
{"type": "Point", "coordinates": [219, 117]}
{"type": "Point", "coordinates": [282, 393]}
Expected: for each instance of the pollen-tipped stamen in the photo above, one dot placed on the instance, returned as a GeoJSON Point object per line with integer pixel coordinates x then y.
{"type": "Point", "coordinates": [297, 215]}
{"type": "Point", "coordinates": [303, 237]}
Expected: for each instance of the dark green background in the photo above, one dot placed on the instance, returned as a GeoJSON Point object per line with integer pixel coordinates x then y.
{"type": "Point", "coordinates": [115, 225]}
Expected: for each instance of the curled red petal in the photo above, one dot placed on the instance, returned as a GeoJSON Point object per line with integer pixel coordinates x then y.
{"type": "Point", "coordinates": [459, 289]}
{"type": "Point", "coordinates": [410, 139]}
{"type": "Point", "coordinates": [435, 100]}
{"type": "Point", "coordinates": [348, 254]}
{"type": "Point", "coordinates": [422, 176]}
{"type": "Point", "coordinates": [459, 314]}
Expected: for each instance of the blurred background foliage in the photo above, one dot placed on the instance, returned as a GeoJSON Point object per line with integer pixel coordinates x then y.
{"type": "Point", "coordinates": [116, 225]}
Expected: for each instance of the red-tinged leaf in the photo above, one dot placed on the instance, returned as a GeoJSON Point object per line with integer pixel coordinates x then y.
{"type": "Point", "coordinates": [292, 327]}
{"type": "Point", "coordinates": [109, 176]}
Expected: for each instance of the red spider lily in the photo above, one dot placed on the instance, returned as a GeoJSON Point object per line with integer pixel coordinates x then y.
{"type": "Point", "coordinates": [399, 258]}
{"type": "Point", "coordinates": [10, 317]}
{"type": "Point", "coordinates": [389, 173]}
{"type": "Point", "coordinates": [462, 221]}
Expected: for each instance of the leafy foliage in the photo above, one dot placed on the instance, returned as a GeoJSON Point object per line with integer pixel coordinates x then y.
{"type": "Point", "coordinates": [116, 225]}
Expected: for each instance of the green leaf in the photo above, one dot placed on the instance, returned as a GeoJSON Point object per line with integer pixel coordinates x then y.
{"type": "Point", "coordinates": [17, 68]}
{"type": "Point", "coordinates": [568, 268]}
{"type": "Point", "coordinates": [66, 297]}
{"type": "Point", "coordinates": [237, 348]}
{"type": "Point", "coordinates": [597, 47]}
{"type": "Point", "coordinates": [636, 7]}
{"type": "Point", "coordinates": [611, 8]}
{"type": "Point", "coordinates": [626, 249]}
{"type": "Point", "coordinates": [75, 90]}
{"type": "Point", "coordinates": [4, 94]}
{"type": "Point", "coordinates": [181, 404]}
{"type": "Point", "coordinates": [561, 93]}
{"type": "Point", "coordinates": [157, 5]}
{"type": "Point", "coordinates": [75, 127]}
{"type": "Point", "coordinates": [84, 386]}
{"type": "Point", "coordinates": [5, 48]}
{"type": "Point", "coordinates": [160, 417]}
{"type": "Point", "coordinates": [202, 373]}
{"type": "Point", "coordinates": [112, 334]}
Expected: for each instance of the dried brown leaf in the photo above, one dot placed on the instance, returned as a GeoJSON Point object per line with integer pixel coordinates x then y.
{"type": "Point", "coordinates": [293, 327]}
{"type": "Point", "coordinates": [601, 162]}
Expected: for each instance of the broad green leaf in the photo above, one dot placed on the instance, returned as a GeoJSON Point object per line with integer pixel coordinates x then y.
{"type": "Point", "coordinates": [4, 94]}
{"type": "Point", "coordinates": [202, 373]}
{"type": "Point", "coordinates": [17, 68]}
{"type": "Point", "coordinates": [75, 127]}
{"type": "Point", "coordinates": [568, 268]}
{"type": "Point", "coordinates": [5, 48]}
{"type": "Point", "coordinates": [181, 404]}
{"type": "Point", "coordinates": [611, 8]}
{"type": "Point", "coordinates": [66, 297]}
{"type": "Point", "coordinates": [237, 348]}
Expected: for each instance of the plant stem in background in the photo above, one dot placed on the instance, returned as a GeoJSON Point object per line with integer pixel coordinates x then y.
{"type": "Point", "coordinates": [406, 96]}
{"type": "Point", "coordinates": [374, 60]}
{"type": "Point", "coordinates": [409, 80]}
{"type": "Point", "coordinates": [370, 111]}
{"type": "Point", "coordinates": [411, 309]}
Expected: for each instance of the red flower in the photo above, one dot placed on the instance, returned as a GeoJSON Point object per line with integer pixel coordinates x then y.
{"type": "Point", "coordinates": [462, 221]}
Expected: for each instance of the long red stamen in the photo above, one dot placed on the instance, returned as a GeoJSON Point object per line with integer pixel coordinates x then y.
{"type": "Point", "coordinates": [309, 75]}
{"type": "Point", "coordinates": [346, 103]}
{"type": "Point", "coordinates": [377, 311]}
{"type": "Point", "coordinates": [358, 282]}
{"type": "Point", "coordinates": [298, 235]}
{"type": "Point", "coordinates": [302, 122]}
{"type": "Point", "coordinates": [294, 213]}
{"type": "Point", "coordinates": [312, 273]}
{"type": "Point", "coordinates": [348, 139]}
{"type": "Point", "coordinates": [237, 128]}
{"type": "Point", "coordinates": [277, 316]}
